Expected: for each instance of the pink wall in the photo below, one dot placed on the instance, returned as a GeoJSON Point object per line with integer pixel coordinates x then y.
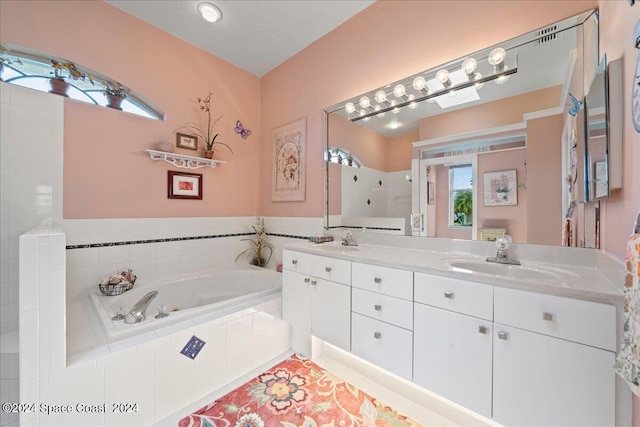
{"type": "Point", "coordinates": [398, 152]}
{"type": "Point", "coordinates": [513, 218]}
{"type": "Point", "coordinates": [354, 58]}
{"type": "Point", "coordinates": [367, 145]}
{"type": "Point", "coordinates": [107, 174]}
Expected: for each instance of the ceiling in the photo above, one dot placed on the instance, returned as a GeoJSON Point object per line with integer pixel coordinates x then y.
{"type": "Point", "coordinates": [255, 35]}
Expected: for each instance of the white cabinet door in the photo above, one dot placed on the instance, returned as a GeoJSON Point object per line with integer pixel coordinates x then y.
{"type": "Point", "coordinates": [331, 312]}
{"type": "Point", "coordinates": [543, 381]}
{"type": "Point", "coordinates": [452, 356]}
{"type": "Point", "coordinates": [296, 299]}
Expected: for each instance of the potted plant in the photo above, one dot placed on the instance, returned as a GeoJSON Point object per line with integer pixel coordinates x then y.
{"type": "Point", "coordinates": [61, 71]}
{"type": "Point", "coordinates": [206, 133]}
{"type": "Point", "coordinates": [115, 92]}
{"type": "Point", "coordinates": [463, 206]}
{"type": "Point", "coordinates": [5, 60]}
{"type": "Point", "coordinates": [258, 246]}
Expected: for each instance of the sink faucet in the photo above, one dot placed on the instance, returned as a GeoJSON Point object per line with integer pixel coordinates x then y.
{"type": "Point", "coordinates": [347, 239]}
{"type": "Point", "coordinates": [502, 257]}
{"type": "Point", "coordinates": [139, 309]}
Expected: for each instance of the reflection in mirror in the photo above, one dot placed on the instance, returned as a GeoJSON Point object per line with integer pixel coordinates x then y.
{"type": "Point", "coordinates": [490, 114]}
{"type": "Point", "coordinates": [596, 131]}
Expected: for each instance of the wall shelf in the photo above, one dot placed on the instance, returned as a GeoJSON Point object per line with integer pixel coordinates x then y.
{"type": "Point", "coordinates": [182, 161]}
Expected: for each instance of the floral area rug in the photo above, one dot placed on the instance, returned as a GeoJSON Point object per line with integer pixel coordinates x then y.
{"type": "Point", "coordinates": [296, 393]}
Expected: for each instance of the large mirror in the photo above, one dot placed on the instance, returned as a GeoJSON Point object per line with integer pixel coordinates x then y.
{"type": "Point", "coordinates": [480, 149]}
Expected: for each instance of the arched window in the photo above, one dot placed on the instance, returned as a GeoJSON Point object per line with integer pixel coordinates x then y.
{"type": "Point", "coordinates": [33, 70]}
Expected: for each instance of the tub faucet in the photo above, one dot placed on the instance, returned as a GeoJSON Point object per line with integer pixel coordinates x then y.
{"type": "Point", "coordinates": [502, 257]}
{"type": "Point", "coordinates": [139, 309]}
{"type": "Point", "coordinates": [347, 239]}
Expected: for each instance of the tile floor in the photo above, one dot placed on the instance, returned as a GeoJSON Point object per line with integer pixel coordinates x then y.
{"type": "Point", "coordinates": [422, 407]}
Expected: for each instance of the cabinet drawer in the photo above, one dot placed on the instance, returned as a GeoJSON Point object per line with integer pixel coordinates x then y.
{"type": "Point", "coordinates": [382, 344]}
{"type": "Point", "coordinates": [296, 261]}
{"type": "Point", "coordinates": [388, 309]}
{"type": "Point", "coordinates": [473, 299]}
{"type": "Point", "coordinates": [584, 322]}
{"type": "Point", "coordinates": [336, 270]}
{"type": "Point", "coordinates": [384, 280]}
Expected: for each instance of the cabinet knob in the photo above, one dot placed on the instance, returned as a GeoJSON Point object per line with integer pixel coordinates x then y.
{"type": "Point", "coordinates": [503, 335]}
{"type": "Point", "coordinates": [313, 282]}
{"type": "Point", "coordinates": [306, 280]}
{"type": "Point", "coordinates": [377, 307]}
{"type": "Point", "coordinates": [547, 316]}
{"type": "Point", "coordinates": [482, 329]}
{"type": "Point", "coordinates": [294, 261]}
{"type": "Point", "coordinates": [448, 294]}
{"type": "Point", "coordinates": [377, 335]}
{"type": "Point", "coordinates": [327, 269]}
{"type": "Point", "coordinates": [377, 280]}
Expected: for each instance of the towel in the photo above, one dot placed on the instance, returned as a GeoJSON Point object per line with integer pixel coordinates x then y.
{"type": "Point", "coordinates": [628, 360]}
{"type": "Point", "coordinates": [567, 233]}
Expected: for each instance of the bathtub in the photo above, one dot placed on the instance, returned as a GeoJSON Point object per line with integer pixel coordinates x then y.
{"type": "Point", "coordinates": [190, 300]}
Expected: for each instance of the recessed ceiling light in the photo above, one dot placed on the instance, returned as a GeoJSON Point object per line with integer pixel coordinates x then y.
{"type": "Point", "coordinates": [209, 12]}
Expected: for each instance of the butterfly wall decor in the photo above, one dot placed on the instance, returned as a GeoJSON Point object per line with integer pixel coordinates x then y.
{"type": "Point", "coordinates": [577, 106]}
{"type": "Point", "coordinates": [239, 129]}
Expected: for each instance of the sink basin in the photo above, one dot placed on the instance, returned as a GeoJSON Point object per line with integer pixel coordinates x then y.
{"type": "Point", "coordinates": [518, 272]}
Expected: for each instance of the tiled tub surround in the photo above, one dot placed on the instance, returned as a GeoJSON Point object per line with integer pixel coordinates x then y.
{"type": "Point", "coordinates": [63, 360]}
{"type": "Point", "coordinates": [586, 299]}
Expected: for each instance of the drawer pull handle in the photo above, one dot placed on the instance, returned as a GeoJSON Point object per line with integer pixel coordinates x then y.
{"type": "Point", "coordinates": [448, 294]}
{"type": "Point", "coordinates": [327, 269]}
{"type": "Point", "coordinates": [306, 280]}
{"type": "Point", "coordinates": [482, 329]}
{"type": "Point", "coordinates": [313, 282]}
{"type": "Point", "coordinates": [377, 280]}
{"type": "Point", "coordinates": [377, 307]}
{"type": "Point", "coordinates": [294, 261]}
{"type": "Point", "coordinates": [503, 335]}
{"type": "Point", "coordinates": [547, 316]}
{"type": "Point", "coordinates": [377, 335]}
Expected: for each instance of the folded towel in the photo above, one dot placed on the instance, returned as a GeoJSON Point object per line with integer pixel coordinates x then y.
{"type": "Point", "coordinates": [628, 360]}
{"type": "Point", "coordinates": [321, 239]}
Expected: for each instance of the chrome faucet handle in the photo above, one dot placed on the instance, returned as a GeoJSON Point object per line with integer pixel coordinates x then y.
{"type": "Point", "coordinates": [503, 242]}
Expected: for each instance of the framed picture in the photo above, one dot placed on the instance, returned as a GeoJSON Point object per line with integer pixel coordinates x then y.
{"type": "Point", "coordinates": [431, 193]}
{"type": "Point", "coordinates": [186, 141]}
{"type": "Point", "coordinates": [501, 188]}
{"type": "Point", "coordinates": [289, 168]}
{"type": "Point", "coordinates": [184, 185]}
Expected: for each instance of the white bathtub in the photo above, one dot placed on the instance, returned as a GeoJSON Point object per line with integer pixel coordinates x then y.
{"type": "Point", "coordinates": [191, 300]}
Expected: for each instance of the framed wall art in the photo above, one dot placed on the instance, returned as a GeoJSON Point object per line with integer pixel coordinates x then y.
{"type": "Point", "coordinates": [431, 193]}
{"type": "Point", "coordinates": [184, 185]}
{"type": "Point", "coordinates": [289, 162]}
{"type": "Point", "coordinates": [500, 188]}
{"type": "Point", "coordinates": [186, 141]}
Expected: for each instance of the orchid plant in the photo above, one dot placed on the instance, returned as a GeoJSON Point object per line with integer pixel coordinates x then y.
{"type": "Point", "coordinates": [72, 72]}
{"type": "Point", "coordinates": [115, 88]}
{"type": "Point", "coordinates": [206, 133]}
{"type": "Point", "coordinates": [256, 250]}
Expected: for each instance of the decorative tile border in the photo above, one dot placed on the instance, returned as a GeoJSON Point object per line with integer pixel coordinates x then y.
{"type": "Point", "coordinates": [355, 227]}
{"type": "Point", "coordinates": [176, 239]}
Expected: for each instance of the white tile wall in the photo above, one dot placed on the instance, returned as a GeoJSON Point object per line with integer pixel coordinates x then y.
{"type": "Point", "coordinates": [31, 132]}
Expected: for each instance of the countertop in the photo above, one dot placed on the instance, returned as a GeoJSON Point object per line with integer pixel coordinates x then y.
{"type": "Point", "coordinates": [586, 283]}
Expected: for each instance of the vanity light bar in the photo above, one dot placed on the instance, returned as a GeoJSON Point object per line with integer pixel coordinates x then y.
{"type": "Point", "coordinates": [506, 72]}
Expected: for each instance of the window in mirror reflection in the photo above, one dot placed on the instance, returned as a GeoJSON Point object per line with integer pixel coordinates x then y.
{"type": "Point", "coordinates": [461, 196]}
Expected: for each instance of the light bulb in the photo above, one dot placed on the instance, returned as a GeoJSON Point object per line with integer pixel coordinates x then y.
{"type": "Point", "coordinates": [381, 97]}
{"type": "Point", "coordinates": [350, 108]}
{"type": "Point", "coordinates": [477, 76]}
{"type": "Point", "coordinates": [364, 102]}
{"type": "Point", "coordinates": [443, 77]}
{"type": "Point", "coordinates": [378, 108]}
{"type": "Point", "coordinates": [413, 105]}
{"type": "Point", "coordinates": [469, 66]}
{"type": "Point", "coordinates": [209, 12]}
{"type": "Point", "coordinates": [496, 57]}
{"type": "Point", "coordinates": [398, 91]}
{"type": "Point", "coordinates": [502, 79]}
{"type": "Point", "coordinates": [362, 113]}
{"type": "Point", "coordinates": [395, 110]}
{"type": "Point", "coordinates": [419, 83]}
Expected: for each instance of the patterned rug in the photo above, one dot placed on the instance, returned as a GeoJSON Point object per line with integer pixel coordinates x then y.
{"type": "Point", "coordinates": [296, 393]}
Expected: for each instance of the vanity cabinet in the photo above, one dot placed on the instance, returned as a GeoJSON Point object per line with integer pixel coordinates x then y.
{"type": "Point", "coordinates": [453, 340]}
{"type": "Point", "coordinates": [552, 360]}
{"type": "Point", "coordinates": [316, 296]}
{"type": "Point", "coordinates": [382, 317]}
